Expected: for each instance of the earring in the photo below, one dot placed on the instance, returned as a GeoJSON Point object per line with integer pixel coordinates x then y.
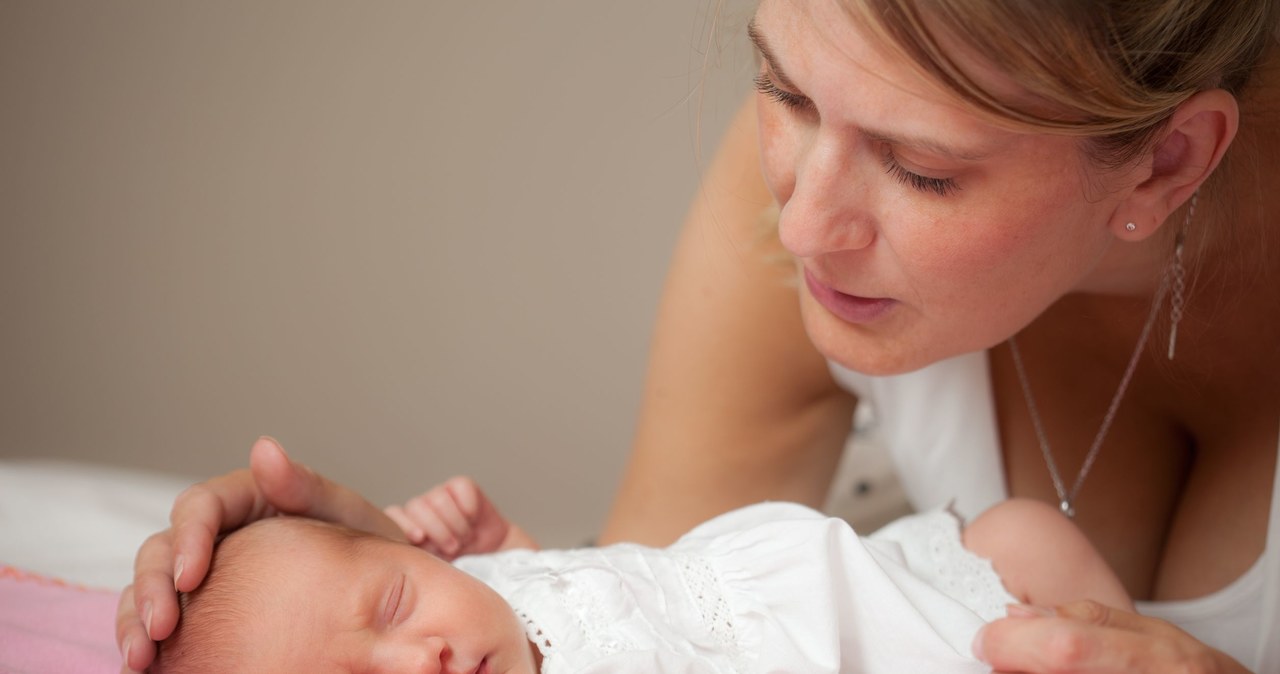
{"type": "Point", "coordinates": [1131, 227]}
{"type": "Point", "coordinates": [1178, 274]}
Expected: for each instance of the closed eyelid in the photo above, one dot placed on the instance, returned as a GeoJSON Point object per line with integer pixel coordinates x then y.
{"type": "Point", "coordinates": [389, 605]}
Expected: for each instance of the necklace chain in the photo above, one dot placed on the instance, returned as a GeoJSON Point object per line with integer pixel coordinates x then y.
{"type": "Point", "coordinates": [1066, 498]}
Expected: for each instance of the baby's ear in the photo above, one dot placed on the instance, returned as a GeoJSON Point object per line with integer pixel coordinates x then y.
{"type": "Point", "coordinates": [1187, 151]}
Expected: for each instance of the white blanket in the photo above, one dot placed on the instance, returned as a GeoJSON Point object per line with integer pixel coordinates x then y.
{"type": "Point", "coordinates": [80, 522]}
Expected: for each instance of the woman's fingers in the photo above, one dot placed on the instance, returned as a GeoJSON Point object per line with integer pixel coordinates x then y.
{"type": "Point", "coordinates": [155, 603]}
{"type": "Point", "coordinates": [1095, 613]}
{"type": "Point", "coordinates": [1088, 637]}
{"type": "Point", "coordinates": [1050, 645]}
{"type": "Point", "coordinates": [178, 559]}
{"type": "Point", "coordinates": [291, 487]}
{"type": "Point", "coordinates": [410, 528]}
{"type": "Point", "coordinates": [136, 648]}
{"type": "Point", "coordinates": [200, 513]}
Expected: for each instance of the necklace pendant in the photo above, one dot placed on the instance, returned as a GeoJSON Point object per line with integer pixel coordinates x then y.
{"type": "Point", "coordinates": [1067, 509]}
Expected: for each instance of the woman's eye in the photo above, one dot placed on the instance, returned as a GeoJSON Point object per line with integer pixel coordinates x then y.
{"type": "Point", "coordinates": [939, 186]}
{"type": "Point", "coordinates": [765, 85]}
{"type": "Point", "coordinates": [394, 599]}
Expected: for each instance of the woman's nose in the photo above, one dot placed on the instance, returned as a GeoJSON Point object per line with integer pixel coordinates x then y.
{"type": "Point", "coordinates": [827, 210]}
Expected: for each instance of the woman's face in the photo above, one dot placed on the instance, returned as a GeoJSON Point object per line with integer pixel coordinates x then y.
{"type": "Point", "coordinates": [922, 231]}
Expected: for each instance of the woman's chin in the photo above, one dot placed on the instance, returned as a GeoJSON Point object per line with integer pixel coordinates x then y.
{"type": "Point", "coordinates": [878, 353]}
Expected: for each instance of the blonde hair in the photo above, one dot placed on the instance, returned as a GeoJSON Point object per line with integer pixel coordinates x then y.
{"type": "Point", "coordinates": [1111, 71]}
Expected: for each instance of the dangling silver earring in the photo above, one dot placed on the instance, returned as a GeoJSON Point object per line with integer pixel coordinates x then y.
{"type": "Point", "coordinates": [1178, 275]}
{"type": "Point", "coordinates": [1131, 227]}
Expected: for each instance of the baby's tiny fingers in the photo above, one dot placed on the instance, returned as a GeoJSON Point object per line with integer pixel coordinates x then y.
{"type": "Point", "coordinates": [435, 530]}
{"type": "Point", "coordinates": [447, 508]}
{"type": "Point", "coordinates": [467, 494]}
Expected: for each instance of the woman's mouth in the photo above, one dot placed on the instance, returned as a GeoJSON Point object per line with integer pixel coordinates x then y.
{"type": "Point", "coordinates": [849, 308]}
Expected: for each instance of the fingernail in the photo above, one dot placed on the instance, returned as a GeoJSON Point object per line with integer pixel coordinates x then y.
{"type": "Point", "coordinates": [146, 617]}
{"type": "Point", "coordinates": [177, 570]}
{"type": "Point", "coordinates": [128, 646]}
{"type": "Point", "coordinates": [976, 648]}
{"type": "Point", "coordinates": [1028, 611]}
{"type": "Point", "coordinates": [273, 441]}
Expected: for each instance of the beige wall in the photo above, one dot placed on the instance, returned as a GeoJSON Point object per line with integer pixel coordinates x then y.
{"type": "Point", "coordinates": [410, 239]}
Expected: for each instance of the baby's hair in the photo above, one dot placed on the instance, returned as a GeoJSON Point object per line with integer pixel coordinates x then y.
{"type": "Point", "coordinates": [214, 616]}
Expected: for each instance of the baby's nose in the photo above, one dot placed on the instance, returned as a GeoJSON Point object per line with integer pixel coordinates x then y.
{"type": "Point", "coordinates": [435, 657]}
{"type": "Point", "coordinates": [416, 656]}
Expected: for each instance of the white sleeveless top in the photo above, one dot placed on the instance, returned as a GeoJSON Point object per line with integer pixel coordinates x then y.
{"type": "Point", "coordinates": [939, 426]}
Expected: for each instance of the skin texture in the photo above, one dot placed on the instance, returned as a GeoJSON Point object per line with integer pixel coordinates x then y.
{"type": "Point", "coordinates": [739, 405]}
{"type": "Point", "coordinates": [457, 518]}
{"type": "Point", "coordinates": [178, 558]}
{"type": "Point", "coordinates": [371, 606]}
{"type": "Point", "coordinates": [1017, 250]}
{"type": "Point", "coordinates": [1041, 557]}
{"type": "Point", "coordinates": [1023, 221]}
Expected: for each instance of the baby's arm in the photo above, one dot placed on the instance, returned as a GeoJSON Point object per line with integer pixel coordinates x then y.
{"type": "Point", "coordinates": [1042, 557]}
{"type": "Point", "coordinates": [455, 519]}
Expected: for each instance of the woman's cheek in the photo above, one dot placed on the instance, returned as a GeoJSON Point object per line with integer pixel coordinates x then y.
{"type": "Point", "coordinates": [955, 252]}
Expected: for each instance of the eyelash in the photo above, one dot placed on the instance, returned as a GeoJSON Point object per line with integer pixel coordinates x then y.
{"type": "Point", "coordinates": [939, 186]}
{"type": "Point", "coordinates": [764, 84]}
{"type": "Point", "coordinates": [793, 101]}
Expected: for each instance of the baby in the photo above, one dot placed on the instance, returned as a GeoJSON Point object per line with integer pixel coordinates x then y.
{"type": "Point", "coordinates": [774, 587]}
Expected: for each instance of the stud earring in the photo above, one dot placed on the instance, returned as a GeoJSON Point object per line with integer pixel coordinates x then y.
{"type": "Point", "coordinates": [1131, 227]}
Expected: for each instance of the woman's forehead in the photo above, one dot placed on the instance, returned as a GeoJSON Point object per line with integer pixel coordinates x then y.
{"type": "Point", "coordinates": [858, 81]}
{"type": "Point", "coordinates": [832, 30]}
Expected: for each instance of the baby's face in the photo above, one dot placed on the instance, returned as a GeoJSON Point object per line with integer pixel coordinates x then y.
{"type": "Point", "coordinates": [375, 606]}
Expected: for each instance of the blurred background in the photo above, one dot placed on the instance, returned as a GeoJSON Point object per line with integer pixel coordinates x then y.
{"type": "Point", "coordinates": [408, 239]}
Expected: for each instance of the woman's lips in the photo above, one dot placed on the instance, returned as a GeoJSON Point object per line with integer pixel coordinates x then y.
{"type": "Point", "coordinates": [850, 308]}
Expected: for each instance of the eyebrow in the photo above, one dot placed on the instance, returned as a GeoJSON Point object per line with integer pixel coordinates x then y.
{"type": "Point", "coordinates": [917, 142]}
{"type": "Point", "coordinates": [762, 46]}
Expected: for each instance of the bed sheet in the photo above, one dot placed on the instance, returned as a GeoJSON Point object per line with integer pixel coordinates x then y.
{"type": "Point", "coordinates": [68, 533]}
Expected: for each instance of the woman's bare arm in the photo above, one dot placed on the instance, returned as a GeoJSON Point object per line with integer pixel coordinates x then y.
{"type": "Point", "coordinates": [738, 406]}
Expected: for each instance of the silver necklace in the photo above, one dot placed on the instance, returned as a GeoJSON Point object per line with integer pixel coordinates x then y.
{"type": "Point", "coordinates": [1066, 499]}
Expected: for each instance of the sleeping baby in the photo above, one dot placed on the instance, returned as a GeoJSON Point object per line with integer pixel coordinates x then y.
{"type": "Point", "coordinates": [774, 587]}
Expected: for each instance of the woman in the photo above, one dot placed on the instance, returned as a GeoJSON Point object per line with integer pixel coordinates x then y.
{"type": "Point", "coordinates": [1034, 236]}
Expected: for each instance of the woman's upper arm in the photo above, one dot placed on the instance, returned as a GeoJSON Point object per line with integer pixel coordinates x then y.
{"type": "Point", "coordinates": [738, 406]}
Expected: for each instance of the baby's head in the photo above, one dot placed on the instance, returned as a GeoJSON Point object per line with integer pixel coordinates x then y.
{"type": "Point", "coordinates": [297, 595]}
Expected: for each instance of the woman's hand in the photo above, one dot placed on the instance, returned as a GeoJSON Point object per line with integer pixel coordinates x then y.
{"type": "Point", "coordinates": [456, 518]}
{"type": "Point", "coordinates": [177, 558]}
{"type": "Point", "coordinates": [1088, 637]}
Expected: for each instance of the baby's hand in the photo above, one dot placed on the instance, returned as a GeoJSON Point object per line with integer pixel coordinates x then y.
{"type": "Point", "coordinates": [455, 519]}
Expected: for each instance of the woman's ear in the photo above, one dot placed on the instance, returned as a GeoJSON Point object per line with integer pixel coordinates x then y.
{"type": "Point", "coordinates": [1188, 150]}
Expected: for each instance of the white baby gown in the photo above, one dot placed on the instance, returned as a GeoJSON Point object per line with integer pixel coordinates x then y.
{"type": "Point", "coordinates": [766, 589]}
